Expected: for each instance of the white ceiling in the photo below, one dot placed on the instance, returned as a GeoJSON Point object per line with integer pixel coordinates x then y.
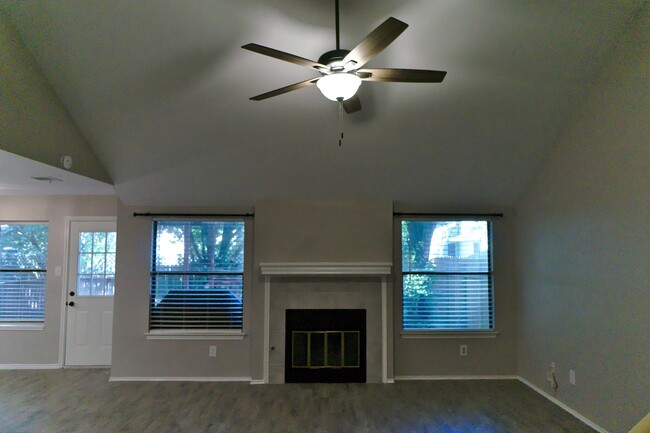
{"type": "Point", "coordinates": [160, 89]}
{"type": "Point", "coordinates": [17, 178]}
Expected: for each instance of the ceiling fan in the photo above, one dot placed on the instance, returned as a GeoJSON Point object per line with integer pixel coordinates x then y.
{"type": "Point", "coordinates": [341, 71]}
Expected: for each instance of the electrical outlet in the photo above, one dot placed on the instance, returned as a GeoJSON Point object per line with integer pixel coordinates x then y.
{"type": "Point", "coordinates": [550, 376]}
{"type": "Point", "coordinates": [463, 350]}
{"type": "Point", "coordinates": [212, 352]}
{"type": "Point", "coordinates": [572, 377]}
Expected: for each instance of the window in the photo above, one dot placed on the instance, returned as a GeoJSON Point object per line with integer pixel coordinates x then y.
{"type": "Point", "coordinates": [447, 276]}
{"type": "Point", "coordinates": [96, 275]}
{"type": "Point", "coordinates": [23, 271]}
{"type": "Point", "coordinates": [197, 270]}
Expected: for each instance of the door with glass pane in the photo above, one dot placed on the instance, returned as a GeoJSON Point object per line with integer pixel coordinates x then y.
{"type": "Point", "coordinates": [91, 285]}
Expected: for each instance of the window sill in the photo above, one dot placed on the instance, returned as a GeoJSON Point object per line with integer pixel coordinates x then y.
{"type": "Point", "coordinates": [17, 326]}
{"type": "Point", "coordinates": [194, 335]}
{"type": "Point", "coordinates": [449, 334]}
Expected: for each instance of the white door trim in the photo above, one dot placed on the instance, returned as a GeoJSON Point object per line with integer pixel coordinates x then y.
{"type": "Point", "coordinates": [64, 277]}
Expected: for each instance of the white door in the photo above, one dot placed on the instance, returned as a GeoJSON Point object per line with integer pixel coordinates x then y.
{"type": "Point", "coordinates": [91, 284]}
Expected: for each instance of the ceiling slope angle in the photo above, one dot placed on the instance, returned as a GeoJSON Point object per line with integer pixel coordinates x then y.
{"type": "Point", "coordinates": [161, 91]}
{"type": "Point", "coordinates": [34, 122]}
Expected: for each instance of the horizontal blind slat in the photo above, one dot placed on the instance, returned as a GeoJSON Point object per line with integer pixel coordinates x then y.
{"type": "Point", "coordinates": [447, 275]}
{"type": "Point", "coordinates": [197, 275]}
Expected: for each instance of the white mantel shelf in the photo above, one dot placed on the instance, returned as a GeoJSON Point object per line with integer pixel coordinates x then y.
{"type": "Point", "coordinates": [326, 268]}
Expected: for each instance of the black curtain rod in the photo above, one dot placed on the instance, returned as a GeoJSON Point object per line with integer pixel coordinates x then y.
{"type": "Point", "coordinates": [462, 215]}
{"type": "Point", "coordinates": [189, 215]}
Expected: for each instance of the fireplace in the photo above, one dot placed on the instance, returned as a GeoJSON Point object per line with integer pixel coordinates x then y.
{"type": "Point", "coordinates": [325, 346]}
{"type": "Point", "coordinates": [325, 288]}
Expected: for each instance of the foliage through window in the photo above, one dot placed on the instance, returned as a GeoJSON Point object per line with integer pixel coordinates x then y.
{"type": "Point", "coordinates": [197, 270]}
{"type": "Point", "coordinates": [96, 273]}
{"type": "Point", "coordinates": [447, 275]}
{"type": "Point", "coordinates": [23, 271]}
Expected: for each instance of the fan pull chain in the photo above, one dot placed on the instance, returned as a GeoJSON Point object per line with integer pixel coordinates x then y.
{"type": "Point", "coordinates": [341, 121]}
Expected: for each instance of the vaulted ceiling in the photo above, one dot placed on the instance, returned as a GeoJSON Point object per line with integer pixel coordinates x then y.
{"type": "Point", "coordinates": [160, 88]}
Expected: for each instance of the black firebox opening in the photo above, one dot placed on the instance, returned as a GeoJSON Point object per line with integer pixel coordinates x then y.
{"type": "Point", "coordinates": [325, 346]}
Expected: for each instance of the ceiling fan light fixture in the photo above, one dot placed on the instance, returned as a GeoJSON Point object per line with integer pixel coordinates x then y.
{"type": "Point", "coordinates": [339, 86]}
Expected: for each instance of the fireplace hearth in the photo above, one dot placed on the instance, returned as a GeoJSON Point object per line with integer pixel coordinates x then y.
{"type": "Point", "coordinates": [325, 346]}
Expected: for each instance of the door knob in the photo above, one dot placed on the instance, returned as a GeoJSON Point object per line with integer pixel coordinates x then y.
{"type": "Point", "coordinates": [71, 293]}
{"type": "Point", "coordinates": [71, 304]}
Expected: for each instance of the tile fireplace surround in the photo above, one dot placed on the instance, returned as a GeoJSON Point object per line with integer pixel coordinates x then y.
{"type": "Point", "coordinates": [326, 285]}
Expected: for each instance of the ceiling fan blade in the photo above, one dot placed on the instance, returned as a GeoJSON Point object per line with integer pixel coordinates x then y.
{"type": "Point", "coordinates": [376, 41]}
{"type": "Point", "coordinates": [352, 105]}
{"type": "Point", "coordinates": [286, 89]}
{"type": "Point", "coordinates": [281, 55]}
{"type": "Point", "coordinates": [402, 75]}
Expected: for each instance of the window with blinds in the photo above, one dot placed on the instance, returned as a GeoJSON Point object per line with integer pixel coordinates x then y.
{"type": "Point", "coordinates": [23, 271]}
{"type": "Point", "coordinates": [197, 270]}
{"type": "Point", "coordinates": [447, 275]}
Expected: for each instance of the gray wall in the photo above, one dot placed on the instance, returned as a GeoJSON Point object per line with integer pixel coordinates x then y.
{"type": "Point", "coordinates": [133, 354]}
{"type": "Point", "coordinates": [425, 357]}
{"type": "Point", "coordinates": [584, 247]}
{"type": "Point", "coordinates": [33, 121]}
{"type": "Point", "coordinates": [42, 347]}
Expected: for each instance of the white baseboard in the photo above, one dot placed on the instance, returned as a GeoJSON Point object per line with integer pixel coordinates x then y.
{"type": "Point", "coordinates": [257, 381]}
{"type": "Point", "coordinates": [389, 381]}
{"type": "Point", "coordinates": [178, 379]}
{"type": "Point", "coordinates": [85, 367]}
{"type": "Point", "coordinates": [492, 377]}
{"type": "Point", "coordinates": [590, 423]}
{"type": "Point", "coordinates": [29, 366]}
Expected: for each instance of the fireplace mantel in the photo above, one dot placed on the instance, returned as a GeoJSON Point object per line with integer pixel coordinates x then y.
{"type": "Point", "coordinates": [326, 268]}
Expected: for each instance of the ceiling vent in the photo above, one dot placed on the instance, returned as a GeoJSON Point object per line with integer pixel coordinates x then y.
{"type": "Point", "coordinates": [49, 179]}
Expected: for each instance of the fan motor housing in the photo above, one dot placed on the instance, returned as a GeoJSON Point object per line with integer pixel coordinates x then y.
{"type": "Point", "coordinates": [333, 56]}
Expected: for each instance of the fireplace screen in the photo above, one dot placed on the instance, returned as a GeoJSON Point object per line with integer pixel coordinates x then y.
{"type": "Point", "coordinates": [325, 349]}
{"type": "Point", "coordinates": [325, 346]}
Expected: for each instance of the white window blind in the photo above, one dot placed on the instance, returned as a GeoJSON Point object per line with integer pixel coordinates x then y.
{"type": "Point", "coordinates": [23, 271]}
{"type": "Point", "coordinates": [447, 275]}
{"type": "Point", "coordinates": [197, 270]}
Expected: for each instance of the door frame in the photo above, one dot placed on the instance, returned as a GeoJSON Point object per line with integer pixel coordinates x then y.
{"type": "Point", "coordinates": [64, 277]}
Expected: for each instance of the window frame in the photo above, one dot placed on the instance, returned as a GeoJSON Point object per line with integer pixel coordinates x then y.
{"type": "Point", "coordinates": [31, 324]}
{"type": "Point", "coordinates": [492, 332]}
{"type": "Point", "coordinates": [199, 334]}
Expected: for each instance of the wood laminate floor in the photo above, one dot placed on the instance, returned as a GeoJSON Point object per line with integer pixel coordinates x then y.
{"type": "Point", "coordinates": [84, 401]}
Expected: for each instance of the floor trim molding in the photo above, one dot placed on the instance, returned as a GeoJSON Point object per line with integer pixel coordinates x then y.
{"type": "Point", "coordinates": [460, 377]}
{"type": "Point", "coordinates": [29, 366]}
{"type": "Point", "coordinates": [257, 382]}
{"type": "Point", "coordinates": [177, 379]}
{"type": "Point", "coordinates": [557, 402]}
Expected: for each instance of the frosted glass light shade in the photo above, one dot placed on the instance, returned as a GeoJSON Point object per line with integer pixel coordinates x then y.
{"type": "Point", "coordinates": [341, 85]}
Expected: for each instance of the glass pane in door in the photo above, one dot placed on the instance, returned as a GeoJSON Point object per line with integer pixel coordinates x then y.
{"type": "Point", "coordinates": [96, 264]}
